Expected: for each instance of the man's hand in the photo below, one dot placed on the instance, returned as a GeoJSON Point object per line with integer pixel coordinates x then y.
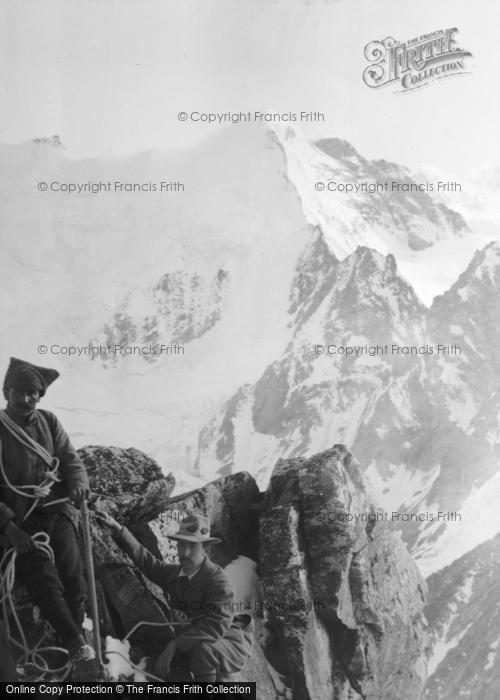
{"type": "Point", "coordinates": [19, 539]}
{"type": "Point", "coordinates": [41, 491]}
{"type": "Point", "coordinates": [162, 668]}
{"type": "Point", "coordinates": [181, 618]}
{"type": "Point", "coordinates": [108, 520]}
{"type": "Point", "coordinates": [78, 495]}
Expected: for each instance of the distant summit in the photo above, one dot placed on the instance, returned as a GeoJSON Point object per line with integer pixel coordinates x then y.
{"type": "Point", "coordinates": [54, 141]}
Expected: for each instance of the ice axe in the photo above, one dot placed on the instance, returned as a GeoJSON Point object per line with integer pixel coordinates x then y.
{"type": "Point", "coordinates": [95, 666]}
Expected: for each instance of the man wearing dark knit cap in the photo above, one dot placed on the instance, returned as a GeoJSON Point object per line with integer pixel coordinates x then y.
{"type": "Point", "coordinates": [216, 641]}
{"type": "Point", "coordinates": [40, 474]}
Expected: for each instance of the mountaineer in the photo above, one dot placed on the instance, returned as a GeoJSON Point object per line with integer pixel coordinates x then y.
{"type": "Point", "coordinates": [40, 472]}
{"type": "Point", "coordinates": [213, 643]}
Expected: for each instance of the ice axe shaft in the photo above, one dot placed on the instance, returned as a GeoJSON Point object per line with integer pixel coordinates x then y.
{"type": "Point", "coordinates": [89, 560]}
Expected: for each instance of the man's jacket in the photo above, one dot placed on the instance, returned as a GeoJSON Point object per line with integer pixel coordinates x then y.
{"type": "Point", "coordinates": [207, 598]}
{"type": "Point", "coordinates": [22, 466]}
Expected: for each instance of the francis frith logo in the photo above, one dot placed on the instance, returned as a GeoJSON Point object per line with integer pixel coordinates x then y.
{"type": "Point", "coordinates": [416, 62]}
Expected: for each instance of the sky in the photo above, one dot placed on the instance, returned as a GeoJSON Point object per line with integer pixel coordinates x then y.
{"type": "Point", "coordinates": [110, 77]}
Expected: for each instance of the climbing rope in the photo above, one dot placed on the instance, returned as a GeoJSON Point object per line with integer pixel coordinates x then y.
{"type": "Point", "coordinates": [50, 476]}
{"type": "Point", "coordinates": [33, 658]}
{"type": "Point", "coordinates": [29, 658]}
{"type": "Point", "coordinates": [23, 437]}
{"type": "Point", "coordinates": [38, 491]}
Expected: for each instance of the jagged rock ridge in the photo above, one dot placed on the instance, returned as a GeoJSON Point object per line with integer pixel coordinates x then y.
{"type": "Point", "coordinates": [424, 422]}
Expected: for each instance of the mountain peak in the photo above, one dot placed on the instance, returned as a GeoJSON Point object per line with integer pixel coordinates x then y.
{"type": "Point", "coordinates": [487, 262]}
{"type": "Point", "coordinates": [372, 261]}
{"type": "Point", "coordinates": [484, 268]}
{"type": "Point", "coordinates": [492, 253]}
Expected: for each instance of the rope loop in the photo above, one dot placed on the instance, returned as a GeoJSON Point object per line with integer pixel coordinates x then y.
{"type": "Point", "coordinates": [29, 658]}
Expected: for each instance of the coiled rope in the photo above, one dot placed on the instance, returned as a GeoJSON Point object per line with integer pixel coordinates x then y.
{"type": "Point", "coordinates": [35, 492]}
{"type": "Point", "coordinates": [50, 476]}
{"type": "Point", "coordinates": [29, 657]}
{"type": "Point", "coordinates": [33, 657]}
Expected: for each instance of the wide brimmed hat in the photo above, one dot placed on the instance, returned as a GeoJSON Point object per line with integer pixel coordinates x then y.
{"type": "Point", "coordinates": [24, 376]}
{"type": "Point", "coordinates": [194, 528]}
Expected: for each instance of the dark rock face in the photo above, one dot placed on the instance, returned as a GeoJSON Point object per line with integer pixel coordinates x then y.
{"type": "Point", "coordinates": [344, 596]}
{"type": "Point", "coordinates": [226, 502]}
{"type": "Point", "coordinates": [190, 304]}
{"type": "Point", "coordinates": [315, 274]}
{"type": "Point", "coordinates": [129, 478]}
{"type": "Point", "coordinates": [181, 306]}
{"type": "Point", "coordinates": [132, 488]}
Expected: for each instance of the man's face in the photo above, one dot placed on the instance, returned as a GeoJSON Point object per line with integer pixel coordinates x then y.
{"type": "Point", "coordinates": [22, 402]}
{"type": "Point", "coordinates": [191, 555]}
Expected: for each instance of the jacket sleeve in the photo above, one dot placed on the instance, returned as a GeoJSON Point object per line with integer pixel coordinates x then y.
{"type": "Point", "coordinates": [6, 513]}
{"type": "Point", "coordinates": [215, 615]}
{"type": "Point", "coordinates": [157, 571]}
{"type": "Point", "coordinates": [73, 473]}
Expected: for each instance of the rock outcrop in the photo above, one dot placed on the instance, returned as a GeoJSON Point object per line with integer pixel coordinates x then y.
{"type": "Point", "coordinates": [228, 502]}
{"type": "Point", "coordinates": [131, 487]}
{"type": "Point", "coordinates": [338, 607]}
{"type": "Point", "coordinates": [339, 589]}
{"type": "Point", "coordinates": [133, 482]}
{"type": "Point", "coordinates": [339, 612]}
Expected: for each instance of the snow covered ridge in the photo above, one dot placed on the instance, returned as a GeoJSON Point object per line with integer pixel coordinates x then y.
{"type": "Point", "coordinates": [463, 616]}
{"type": "Point", "coordinates": [384, 206]}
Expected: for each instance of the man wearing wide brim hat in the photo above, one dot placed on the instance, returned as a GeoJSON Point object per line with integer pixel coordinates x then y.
{"type": "Point", "coordinates": [194, 528]}
{"type": "Point", "coordinates": [40, 474]}
{"type": "Point", "coordinates": [216, 641]}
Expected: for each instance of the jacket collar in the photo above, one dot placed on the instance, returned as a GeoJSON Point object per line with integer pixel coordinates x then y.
{"type": "Point", "coordinates": [207, 566]}
{"type": "Point", "coordinates": [189, 576]}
